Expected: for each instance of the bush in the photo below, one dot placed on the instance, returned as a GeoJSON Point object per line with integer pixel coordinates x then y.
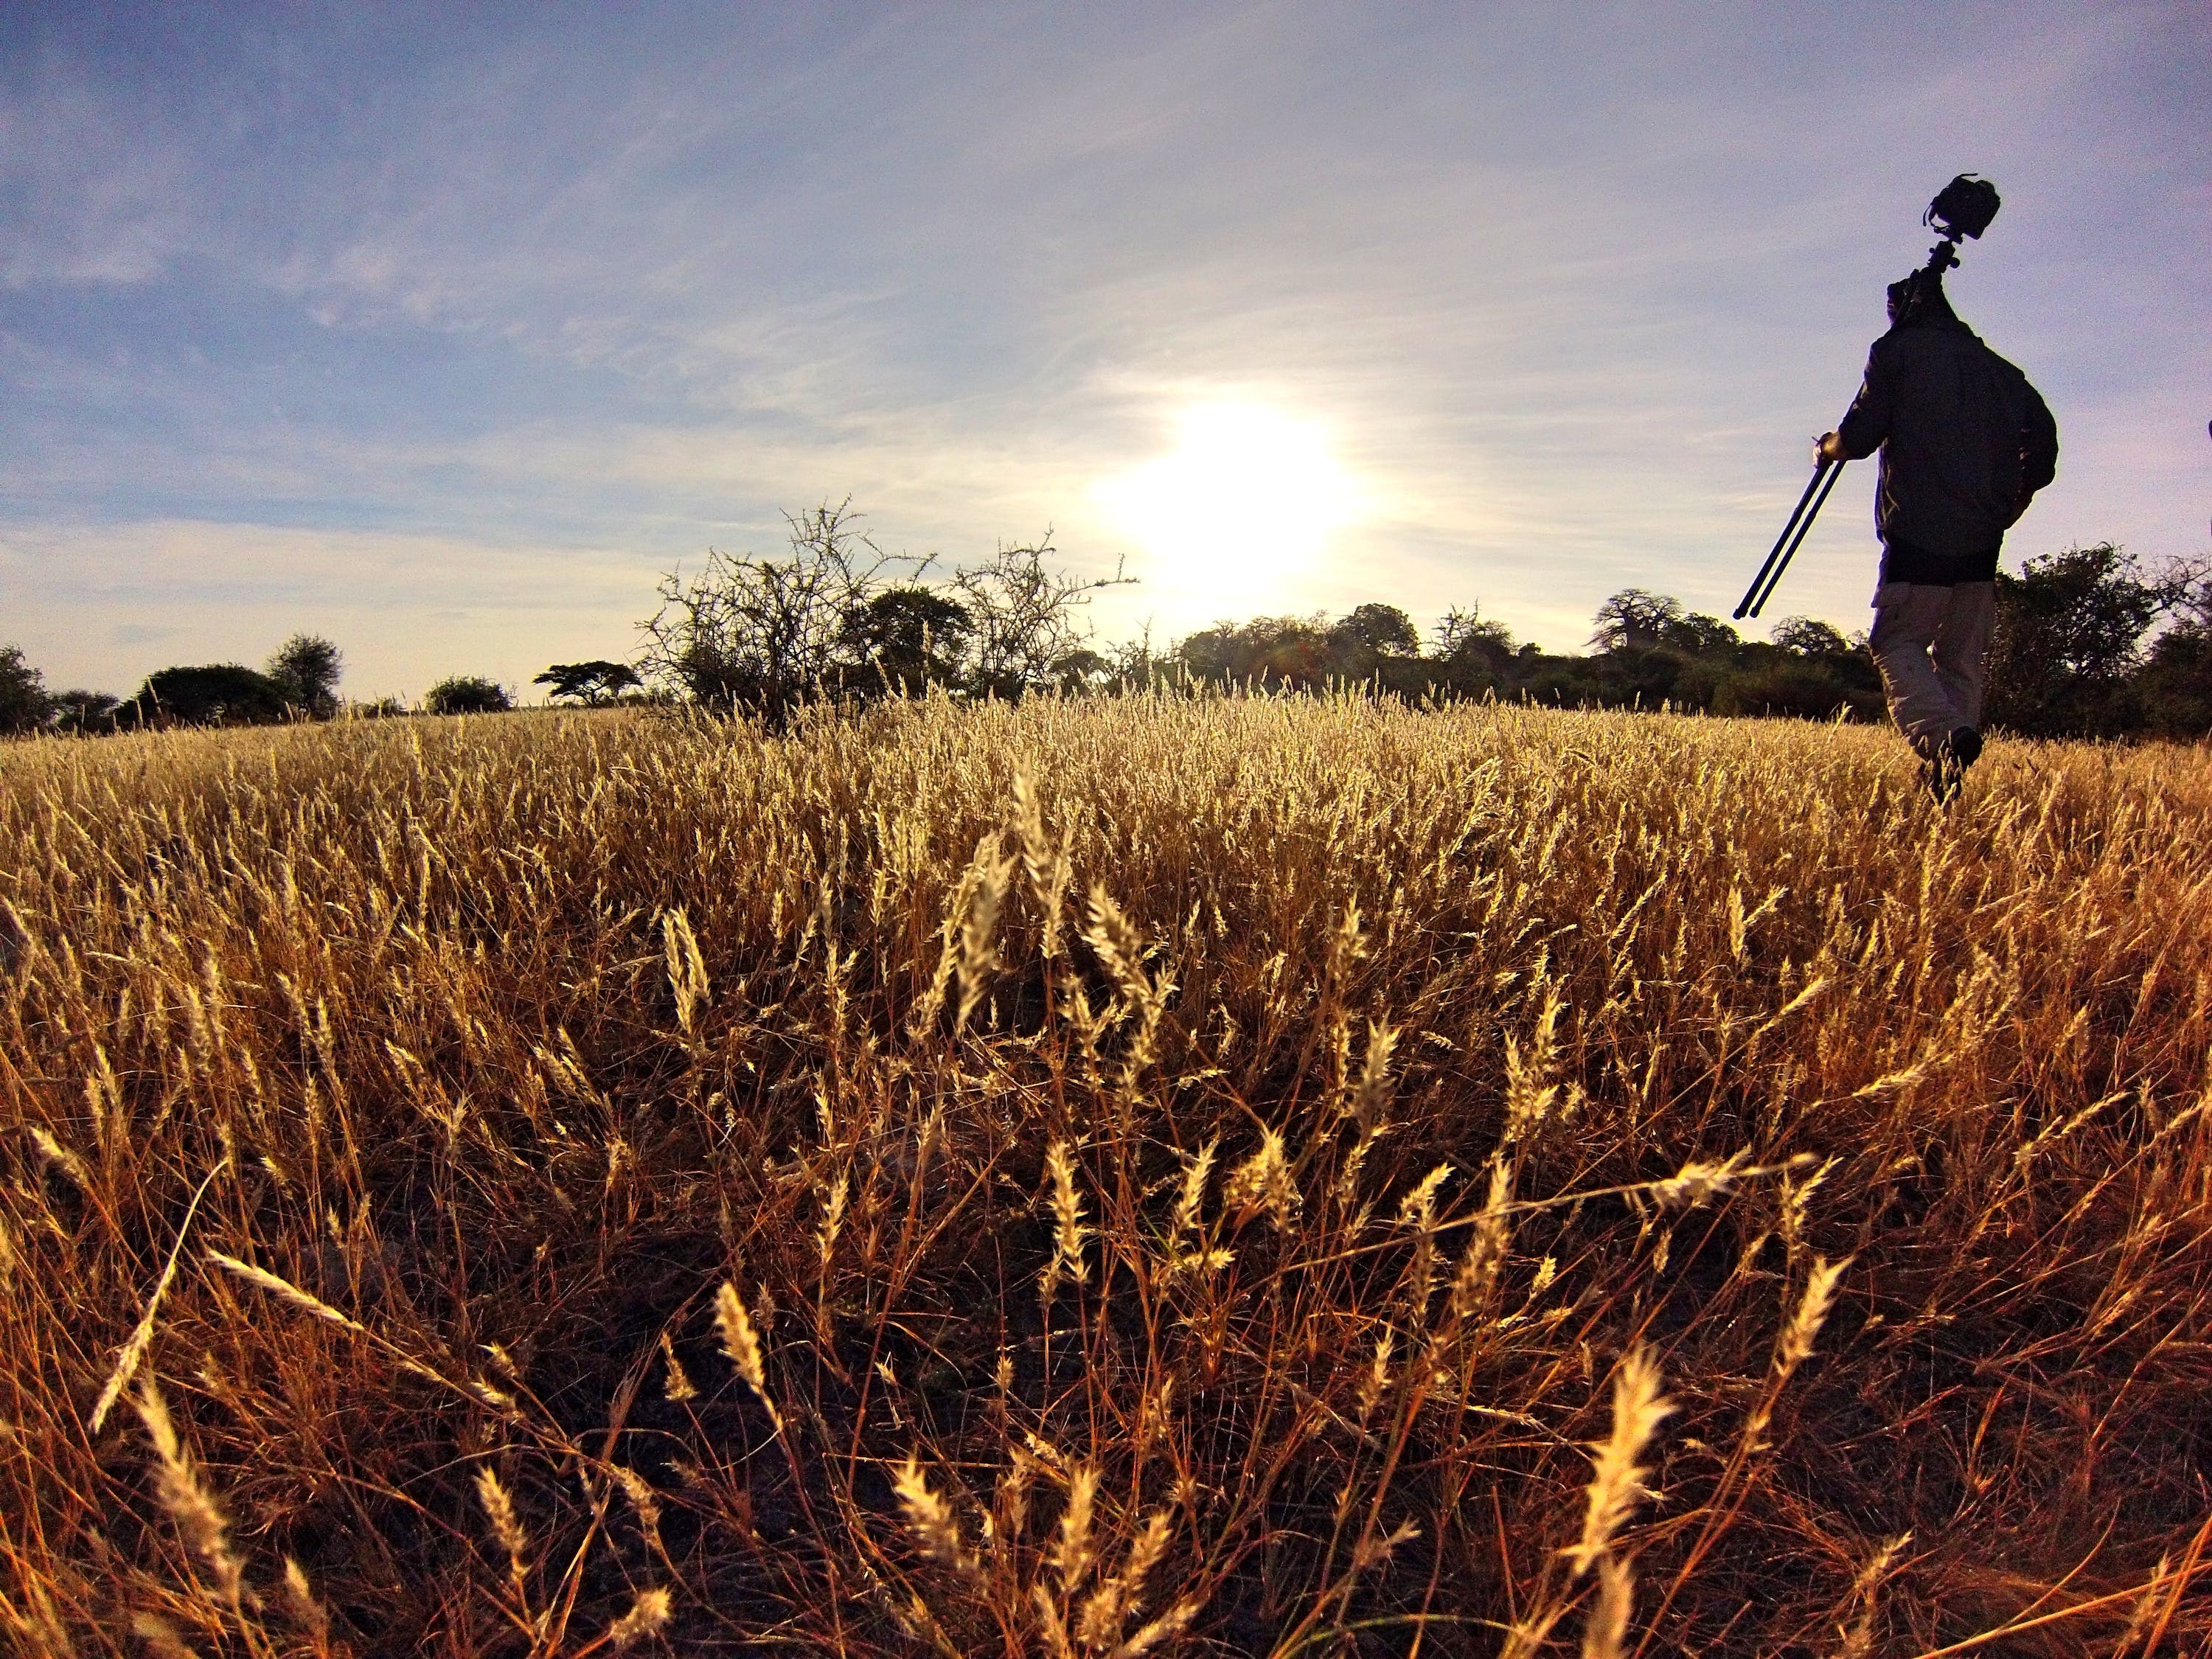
{"type": "Point", "coordinates": [211, 694]}
{"type": "Point", "coordinates": [466, 694]}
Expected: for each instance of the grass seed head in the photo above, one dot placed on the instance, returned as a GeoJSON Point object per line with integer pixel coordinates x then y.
{"type": "Point", "coordinates": [1617, 1477]}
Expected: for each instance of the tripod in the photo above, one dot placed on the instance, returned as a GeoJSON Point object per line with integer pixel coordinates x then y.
{"type": "Point", "coordinates": [1793, 533]}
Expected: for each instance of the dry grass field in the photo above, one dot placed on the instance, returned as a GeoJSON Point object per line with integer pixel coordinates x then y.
{"type": "Point", "coordinates": [1264, 1176]}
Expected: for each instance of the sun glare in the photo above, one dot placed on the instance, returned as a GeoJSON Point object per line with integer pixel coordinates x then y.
{"type": "Point", "coordinates": [1245, 501]}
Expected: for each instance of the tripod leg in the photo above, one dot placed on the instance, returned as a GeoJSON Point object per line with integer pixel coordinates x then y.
{"type": "Point", "coordinates": [1819, 471]}
{"type": "Point", "coordinates": [1759, 603]}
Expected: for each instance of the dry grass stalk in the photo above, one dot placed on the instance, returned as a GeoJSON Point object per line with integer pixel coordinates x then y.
{"type": "Point", "coordinates": [141, 1337]}
{"type": "Point", "coordinates": [505, 1524]}
{"type": "Point", "coordinates": [979, 957]}
{"type": "Point", "coordinates": [200, 1521]}
{"type": "Point", "coordinates": [676, 1385]}
{"type": "Point", "coordinates": [647, 1616]}
{"type": "Point", "coordinates": [1475, 1283]}
{"type": "Point", "coordinates": [1858, 1636]}
{"type": "Point", "coordinates": [289, 1291]}
{"type": "Point", "coordinates": [741, 1342]}
{"type": "Point", "coordinates": [1617, 1479]}
{"type": "Point", "coordinates": [1072, 1549]}
{"type": "Point", "coordinates": [162, 1636]}
{"type": "Point", "coordinates": [308, 1610]}
{"type": "Point", "coordinates": [687, 970]}
{"type": "Point", "coordinates": [1107, 1608]}
{"type": "Point", "coordinates": [1605, 1627]}
{"type": "Point", "coordinates": [930, 1518]}
{"type": "Point", "coordinates": [1069, 1233]}
{"type": "Point", "coordinates": [1795, 1346]}
{"type": "Point", "coordinates": [1264, 1181]}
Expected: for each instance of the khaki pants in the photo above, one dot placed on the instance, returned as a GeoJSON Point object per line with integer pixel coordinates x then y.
{"type": "Point", "coordinates": [1931, 644]}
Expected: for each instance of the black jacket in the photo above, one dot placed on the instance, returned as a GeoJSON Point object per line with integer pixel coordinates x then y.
{"type": "Point", "coordinates": [1965, 442]}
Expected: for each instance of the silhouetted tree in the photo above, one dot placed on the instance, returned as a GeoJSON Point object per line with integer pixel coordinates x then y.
{"type": "Point", "coordinates": [1699, 635]}
{"type": "Point", "coordinates": [308, 667]}
{"type": "Point", "coordinates": [2070, 632]}
{"type": "Point", "coordinates": [908, 635]}
{"type": "Point", "coordinates": [1284, 651]}
{"type": "Point", "coordinates": [23, 703]}
{"type": "Point", "coordinates": [2174, 685]}
{"type": "Point", "coordinates": [1803, 636]}
{"type": "Point", "coordinates": [765, 634]}
{"type": "Point", "coordinates": [466, 694]}
{"type": "Point", "coordinates": [83, 712]}
{"type": "Point", "coordinates": [1024, 616]}
{"type": "Point", "coordinates": [593, 683]}
{"type": "Point", "coordinates": [1635, 618]}
{"type": "Point", "coordinates": [1375, 630]}
{"type": "Point", "coordinates": [1464, 636]}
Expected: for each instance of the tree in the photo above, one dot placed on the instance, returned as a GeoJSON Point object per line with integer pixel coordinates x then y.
{"type": "Point", "coordinates": [1463, 636]}
{"type": "Point", "coordinates": [594, 684]}
{"type": "Point", "coordinates": [1369, 631]}
{"type": "Point", "coordinates": [210, 694]}
{"type": "Point", "coordinates": [308, 667]}
{"type": "Point", "coordinates": [765, 634]}
{"type": "Point", "coordinates": [1635, 618]}
{"type": "Point", "coordinates": [908, 635]}
{"type": "Point", "coordinates": [1285, 651]}
{"type": "Point", "coordinates": [23, 703]}
{"type": "Point", "coordinates": [1024, 616]}
{"type": "Point", "coordinates": [83, 712]}
{"type": "Point", "coordinates": [1697, 634]}
{"type": "Point", "coordinates": [2069, 631]}
{"type": "Point", "coordinates": [1803, 636]}
{"type": "Point", "coordinates": [466, 694]}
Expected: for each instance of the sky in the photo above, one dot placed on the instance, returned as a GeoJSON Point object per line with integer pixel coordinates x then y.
{"type": "Point", "coordinates": [443, 331]}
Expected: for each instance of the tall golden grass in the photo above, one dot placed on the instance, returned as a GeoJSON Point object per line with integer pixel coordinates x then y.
{"type": "Point", "coordinates": [1102, 1177]}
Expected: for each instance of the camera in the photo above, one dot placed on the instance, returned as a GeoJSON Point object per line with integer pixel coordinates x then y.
{"type": "Point", "coordinates": [1962, 208]}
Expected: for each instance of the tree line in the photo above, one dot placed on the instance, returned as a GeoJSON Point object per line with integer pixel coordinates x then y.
{"type": "Point", "coordinates": [2088, 643]}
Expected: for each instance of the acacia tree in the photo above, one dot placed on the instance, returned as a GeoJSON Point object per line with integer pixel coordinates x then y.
{"type": "Point", "coordinates": [909, 636]}
{"type": "Point", "coordinates": [466, 694]}
{"type": "Point", "coordinates": [592, 683]}
{"type": "Point", "coordinates": [1808, 636]}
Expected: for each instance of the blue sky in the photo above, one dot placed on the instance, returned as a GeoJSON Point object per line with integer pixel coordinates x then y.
{"type": "Point", "coordinates": [442, 330]}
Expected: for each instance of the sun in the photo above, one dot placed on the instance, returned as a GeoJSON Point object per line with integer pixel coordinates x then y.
{"type": "Point", "coordinates": [1244, 503]}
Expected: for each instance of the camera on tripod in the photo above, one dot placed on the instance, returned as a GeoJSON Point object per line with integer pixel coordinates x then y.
{"type": "Point", "coordinates": [1962, 210]}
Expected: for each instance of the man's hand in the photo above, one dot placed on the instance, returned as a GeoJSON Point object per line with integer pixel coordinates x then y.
{"type": "Point", "coordinates": [1828, 448]}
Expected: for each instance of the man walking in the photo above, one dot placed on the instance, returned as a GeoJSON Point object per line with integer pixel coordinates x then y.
{"type": "Point", "coordinates": [1965, 442]}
